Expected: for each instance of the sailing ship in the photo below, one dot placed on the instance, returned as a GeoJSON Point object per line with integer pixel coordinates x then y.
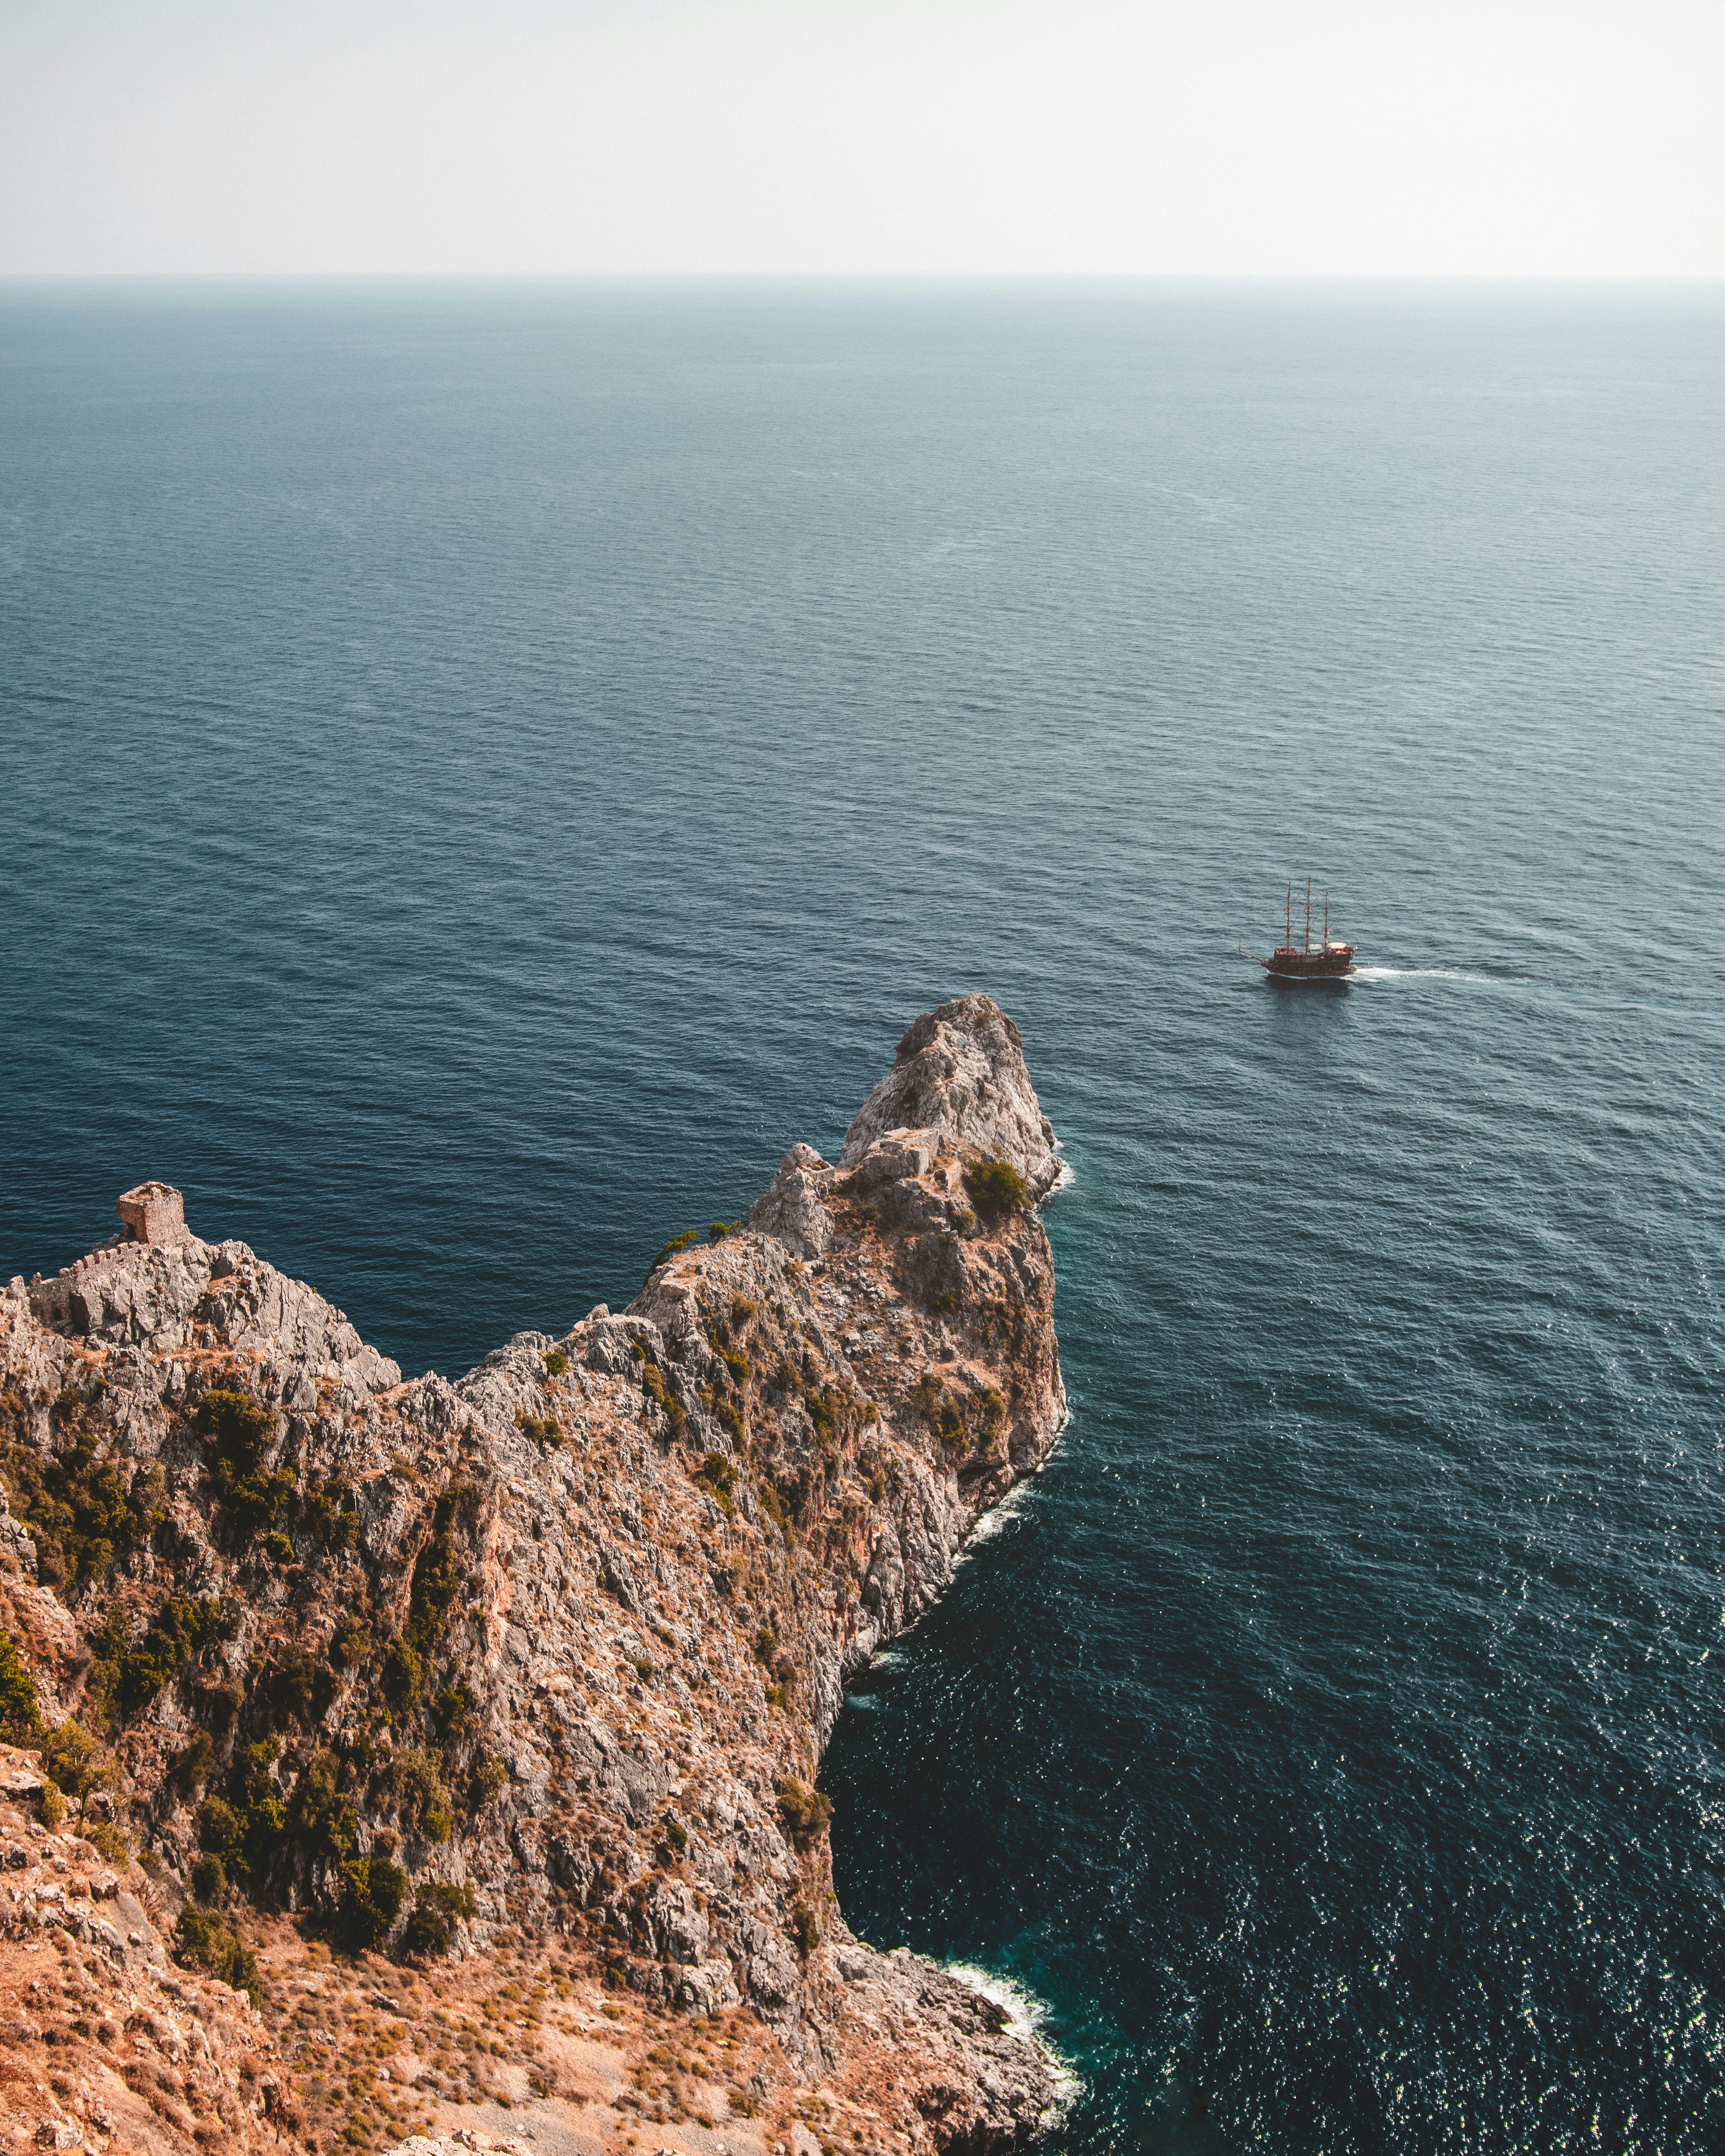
{"type": "Point", "coordinates": [1303, 961]}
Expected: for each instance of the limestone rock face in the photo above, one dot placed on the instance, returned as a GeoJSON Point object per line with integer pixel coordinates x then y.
{"type": "Point", "coordinates": [792, 1208]}
{"type": "Point", "coordinates": [192, 1293]}
{"type": "Point", "coordinates": [563, 1640]}
{"type": "Point", "coordinates": [960, 1071]}
{"type": "Point", "coordinates": [107, 2044]}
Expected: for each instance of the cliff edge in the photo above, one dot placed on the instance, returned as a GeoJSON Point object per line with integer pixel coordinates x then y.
{"type": "Point", "coordinates": [525, 1679]}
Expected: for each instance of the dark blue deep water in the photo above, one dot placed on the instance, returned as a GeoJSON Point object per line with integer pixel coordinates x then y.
{"type": "Point", "coordinates": [484, 769]}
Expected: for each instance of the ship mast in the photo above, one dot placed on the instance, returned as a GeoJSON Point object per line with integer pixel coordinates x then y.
{"type": "Point", "coordinates": [1308, 913]}
{"type": "Point", "coordinates": [1326, 921]}
{"type": "Point", "coordinates": [1287, 932]}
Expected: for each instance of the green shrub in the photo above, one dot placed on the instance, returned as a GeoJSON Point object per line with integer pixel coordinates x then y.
{"type": "Point", "coordinates": [718, 1474]}
{"type": "Point", "coordinates": [996, 1189]}
{"type": "Point", "coordinates": [654, 1385]}
{"type": "Point", "coordinates": [322, 1821]}
{"type": "Point", "coordinates": [194, 1767]}
{"type": "Point", "coordinates": [246, 1829]}
{"type": "Point", "coordinates": [209, 1879]}
{"type": "Point", "coordinates": [220, 1832]}
{"type": "Point", "coordinates": [105, 1835]}
{"type": "Point", "coordinates": [722, 1228]}
{"type": "Point", "coordinates": [403, 1673]}
{"type": "Point", "coordinates": [557, 1363]}
{"type": "Point", "coordinates": [452, 1714]}
{"type": "Point", "coordinates": [210, 1942]}
{"type": "Point", "coordinates": [490, 1776]}
{"type": "Point", "coordinates": [439, 1571]}
{"type": "Point", "coordinates": [671, 1250]}
{"type": "Point", "coordinates": [125, 1679]}
{"type": "Point", "coordinates": [805, 1811]}
{"type": "Point", "coordinates": [20, 1711]}
{"type": "Point", "coordinates": [372, 1891]}
{"type": "Point", "coordinates": [545, 1430]}
{"type": "Point", "coordinates": [222, 1701]}
{"type": "Point", "coordinates": [416, 1784]}
{"type": "Point", "coordinates": [82, 1512]}
{"type": "Point", "coordinates": [927, 1395]}
{"type": "Point", "coordinates": [236, 1431]}
{"type": "Point", "coordinates": [73, 1762]}
{"type": "Point", "coordinates": [430, 1928]}
{"type": "Point", "coordinates": [350, 1642]}
{"type": "Point", "coordinates": [330, 1514]}
{"type": "Point", "coordinates": [806, 1926]}
{"type": "Point", "coordinates": [294, 1680]}
{"type": "Point", "coordinates": [737, 1363]}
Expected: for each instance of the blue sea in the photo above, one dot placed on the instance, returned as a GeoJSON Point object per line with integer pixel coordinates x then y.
{"type": "Point", "coordinates": [484, 768]}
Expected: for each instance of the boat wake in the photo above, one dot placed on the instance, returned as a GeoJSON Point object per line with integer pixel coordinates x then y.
{"type": "Point", "coordinates": [1420, 974]}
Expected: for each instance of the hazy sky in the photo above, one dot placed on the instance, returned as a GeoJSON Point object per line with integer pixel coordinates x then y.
{"type": "Point", "coordinates": [1564, 136]}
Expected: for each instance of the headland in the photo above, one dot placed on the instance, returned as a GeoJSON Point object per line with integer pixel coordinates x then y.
{"type": "Point", "coordinates": [472, 1728]}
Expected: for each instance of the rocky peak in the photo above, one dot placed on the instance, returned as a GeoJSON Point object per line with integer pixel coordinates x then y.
{"type": "Point", "coordinates": [191, 1294]}
{"type": "Point", "coordinates": [959, 1077]}
{"type": "Point", "coordinates": [792, 1208]}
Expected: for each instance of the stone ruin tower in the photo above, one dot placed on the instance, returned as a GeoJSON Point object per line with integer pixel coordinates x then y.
{"type": "Point", "coordinates": [152, 1212]}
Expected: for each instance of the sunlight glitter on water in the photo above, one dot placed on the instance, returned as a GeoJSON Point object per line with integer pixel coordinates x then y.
{"type": "Point", "coordinates": [504, 765]}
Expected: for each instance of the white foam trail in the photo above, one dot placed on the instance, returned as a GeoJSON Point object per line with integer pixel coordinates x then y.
{"type": "Point", "coordinates": [1026, 2013]}
{"type": "Point", "coordinates": [1420, 973]}
{"type": "Point", "coordinates": [995, 1519]}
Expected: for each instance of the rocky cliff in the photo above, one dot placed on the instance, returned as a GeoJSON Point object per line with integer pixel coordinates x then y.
{"type": "Point", "coordinates": [535, 1669]}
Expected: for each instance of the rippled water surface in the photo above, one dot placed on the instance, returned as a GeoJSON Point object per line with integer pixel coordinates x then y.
{"type": "Point", "coordinates": [486, 769]}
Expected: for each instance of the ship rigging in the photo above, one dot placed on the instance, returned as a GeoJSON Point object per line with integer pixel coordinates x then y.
{"type": "Point", "coordinates": [1303, 960]}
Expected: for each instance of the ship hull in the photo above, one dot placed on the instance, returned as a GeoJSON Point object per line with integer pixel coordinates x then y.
{"type": "Point", "coordinates": [1335, 964]}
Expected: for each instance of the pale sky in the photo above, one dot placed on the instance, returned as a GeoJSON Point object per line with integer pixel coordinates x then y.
{"type": "Point", "coordinates": [1554, 137]}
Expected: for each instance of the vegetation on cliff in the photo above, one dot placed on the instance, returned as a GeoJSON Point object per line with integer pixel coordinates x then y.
{"type": "Point", "coordinates": [552, 1654]}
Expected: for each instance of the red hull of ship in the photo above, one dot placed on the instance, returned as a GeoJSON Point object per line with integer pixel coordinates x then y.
{"type": "Point", "coordinates": [1334, 963]}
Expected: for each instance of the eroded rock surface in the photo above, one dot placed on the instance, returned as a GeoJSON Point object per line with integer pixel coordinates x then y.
{"type": "Point", "coordinates": [960, 1071]}
{"type": "Point", "coordinates": [106, 2042]}
{"type": "Point", "coordinates": [552, 1652]}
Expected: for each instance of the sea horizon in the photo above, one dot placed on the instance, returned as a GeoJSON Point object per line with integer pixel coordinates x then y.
{"type": "Point", "coordinates": [494, 762]}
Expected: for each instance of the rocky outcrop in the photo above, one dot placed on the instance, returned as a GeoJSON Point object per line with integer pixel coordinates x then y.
{"type": "Point", "coordinates": [552, 1652]}
{"type": "Point", "coordinates": [960, 1071]}
{"type": "Point", "coordinates": [135, 1294]}
{"type": "Point", "coordinates": [107, 2043]}
{"type": "Point", "coordinates": [793, 1209]}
